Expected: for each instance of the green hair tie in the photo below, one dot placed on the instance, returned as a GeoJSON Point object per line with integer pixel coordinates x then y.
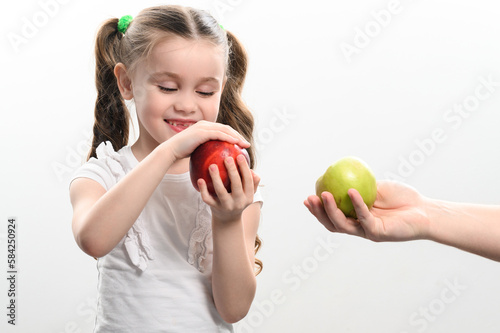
{"type": "Point", "coordinates": [123, 23]}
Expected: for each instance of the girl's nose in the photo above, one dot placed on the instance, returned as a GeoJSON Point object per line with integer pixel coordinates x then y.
{"type": "Point", "coordinates": [185, 102]}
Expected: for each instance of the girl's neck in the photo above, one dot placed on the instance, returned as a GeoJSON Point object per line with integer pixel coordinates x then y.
{"type": "Point", "coordinates": [141, 150]}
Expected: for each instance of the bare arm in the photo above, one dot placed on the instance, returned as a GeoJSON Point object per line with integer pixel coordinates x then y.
{"type": "Point", "coordinates": [235, 221]}
{"type": "Point", "coordinates": [101, 219]}
{"type": "Point", "coordinates": [233, 275]}
{"type": "Point", "coordinates": [470, 227]}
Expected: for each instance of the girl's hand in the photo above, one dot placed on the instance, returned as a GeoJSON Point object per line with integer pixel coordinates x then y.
{"type": "Point", "coordinates": [185, 142]}
{"type": "Point", "coordinates": [398, 214]}
{"type": "Point", "coordinates": [227, 207]}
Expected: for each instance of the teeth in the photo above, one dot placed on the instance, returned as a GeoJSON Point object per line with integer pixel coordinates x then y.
{"type": "Point", "coordinates": [176, 124]}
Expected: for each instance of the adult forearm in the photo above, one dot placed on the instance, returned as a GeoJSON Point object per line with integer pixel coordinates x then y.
{"type": "Point", "coordinates": [470, 227]}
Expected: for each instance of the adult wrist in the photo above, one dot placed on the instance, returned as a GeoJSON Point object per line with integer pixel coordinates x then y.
{"type": "Point", "coordinates": [435, 209]}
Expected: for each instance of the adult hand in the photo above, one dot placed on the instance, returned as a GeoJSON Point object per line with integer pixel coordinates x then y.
{"type": "Point", "coordinates": [398, 214]}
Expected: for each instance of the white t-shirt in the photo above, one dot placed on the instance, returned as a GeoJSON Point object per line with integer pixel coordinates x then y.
{"type": "Point", "coordinates": [158, 277]}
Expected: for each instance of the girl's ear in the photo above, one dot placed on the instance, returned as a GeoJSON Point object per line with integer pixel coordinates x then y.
{"type": "Point", "coordinates": [124, 82]}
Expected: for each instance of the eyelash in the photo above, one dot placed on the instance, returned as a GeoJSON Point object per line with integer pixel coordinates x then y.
{"type": "Point", "coordinates": [166, 89]}
{"type": "Point", "coordinates": [206, 94]}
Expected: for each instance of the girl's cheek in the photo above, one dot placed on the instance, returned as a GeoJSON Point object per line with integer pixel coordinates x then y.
{"type": "Point", "coordinates": [213, 112]}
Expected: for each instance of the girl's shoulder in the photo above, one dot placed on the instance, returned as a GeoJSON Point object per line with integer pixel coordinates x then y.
{"type": "Point", "coordinates": [109, 166]}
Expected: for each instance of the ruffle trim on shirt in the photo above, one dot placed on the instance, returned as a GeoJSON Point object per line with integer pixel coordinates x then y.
{"type": "Point", "coordinates": [199, 240]}
{"type": "Point", "coordinates": [137, 242]}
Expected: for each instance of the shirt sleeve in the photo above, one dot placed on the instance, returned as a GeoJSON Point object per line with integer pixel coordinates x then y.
{"type": "Point", "coordinates": [97, 170]}
{"type": "Point", "coordinates": [257, 197]}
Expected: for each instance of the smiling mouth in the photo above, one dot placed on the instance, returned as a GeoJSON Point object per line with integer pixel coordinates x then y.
{"type": "Point", "coordinates": [174, 123]}
{"type": "Point", "coordinates": [179, 125]}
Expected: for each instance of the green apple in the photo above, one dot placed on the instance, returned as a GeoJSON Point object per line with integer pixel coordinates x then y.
{"type": "Point", "coordinates": [348, 172]}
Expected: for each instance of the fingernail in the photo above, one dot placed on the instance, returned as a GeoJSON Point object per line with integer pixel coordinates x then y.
{"type": "Point", "coordinates": [212, 167]}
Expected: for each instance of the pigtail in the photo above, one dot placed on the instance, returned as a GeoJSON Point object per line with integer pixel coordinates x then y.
{"type": "Point", "coordinates": [111, 116]}
{"type": "Point", "coordinates": [233, 110]}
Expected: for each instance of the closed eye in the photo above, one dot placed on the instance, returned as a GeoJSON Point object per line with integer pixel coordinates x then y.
{"type": "Point", "coordinates": [203, 93]}
{"type": "Point", "coordinates": [165, 89]}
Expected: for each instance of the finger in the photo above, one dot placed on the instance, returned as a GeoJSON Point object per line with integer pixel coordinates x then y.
{"type": "Point", "coordinates": [243, 141]}
{"type": "Point", "coordinates": [205, 195]}
{"type": "Point", "coordinates": [334, 214]}
{"type": "Point", "coordinates": [227, 137]}
{"type": "Point", "coordinates": [341, 222]}
{"type": "Point", "coordinates": [236, 137]}
{"type": "Point", "coordinates": [220, 189]}
{"type": "Point", "coordinates": [234, 176]}
{"type": "Point", "coordinates": [362, 211]}
{"type": "Point", "coordinates": [309, 204]}
{"type": "Point", "coordinates": [358, 203]}
{"type": "Point", "coordinates": [316, 208]}
{"type": "Point", "coordinates": [246, 175]}
{"type": "Point", "coordinates": [218, 131]}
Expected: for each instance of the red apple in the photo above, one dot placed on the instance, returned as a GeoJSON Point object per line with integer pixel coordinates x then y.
{"type": "Point", "coordinates": [213, 152]}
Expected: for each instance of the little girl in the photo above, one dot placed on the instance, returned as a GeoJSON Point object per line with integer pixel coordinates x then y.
{"type": "Point", "coordinates": [170, 259]}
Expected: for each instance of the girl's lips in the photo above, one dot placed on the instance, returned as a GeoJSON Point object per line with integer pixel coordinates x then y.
{"type": "Point", "coordinates": [179, 125]}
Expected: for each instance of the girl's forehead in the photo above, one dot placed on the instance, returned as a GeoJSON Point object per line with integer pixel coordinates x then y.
{"type": "Point", "coordinates": [178, 54]}
{"type": "Point", "coordinates": [178, 46]}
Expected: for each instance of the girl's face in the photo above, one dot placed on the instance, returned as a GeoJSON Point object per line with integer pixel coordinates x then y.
{"type": "Point", "coordinates": [180, 84]}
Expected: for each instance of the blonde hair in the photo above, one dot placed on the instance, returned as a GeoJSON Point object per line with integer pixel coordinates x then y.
{"type": "Point", "coordinates": [148, 28]}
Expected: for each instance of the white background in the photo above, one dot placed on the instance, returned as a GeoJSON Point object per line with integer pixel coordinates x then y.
{"type": "Point", "coordinates": [313, 104]}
